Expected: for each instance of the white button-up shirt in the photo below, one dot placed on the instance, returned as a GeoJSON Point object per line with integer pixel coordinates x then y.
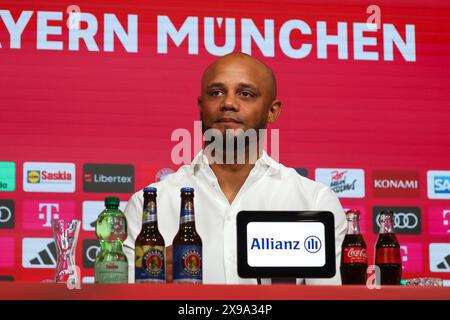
{"type": "Point", "coordinates": [269, 186]}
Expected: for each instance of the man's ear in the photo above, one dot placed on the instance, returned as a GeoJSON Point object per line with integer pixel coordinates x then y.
{"type": "Point", "coordinates": [274, 111]}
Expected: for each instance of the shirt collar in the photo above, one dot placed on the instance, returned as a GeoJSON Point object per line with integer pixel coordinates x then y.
{"type": "Point", "coordinates": [201, 160]}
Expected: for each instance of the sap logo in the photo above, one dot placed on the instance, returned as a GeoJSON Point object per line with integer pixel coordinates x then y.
{"type": "Point", "coordinates": [438, 184]}
{"type": "Point", "coordinates": [442, 184]}
{"type": "Point", "coordinates": [271, 244]}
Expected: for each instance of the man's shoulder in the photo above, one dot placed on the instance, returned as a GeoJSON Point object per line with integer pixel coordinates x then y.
{"type": "Point", "coordinates": [291, 174]}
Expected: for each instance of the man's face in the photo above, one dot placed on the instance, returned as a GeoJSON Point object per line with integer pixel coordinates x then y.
{"type": "Point", "coordinates": [236, 94]}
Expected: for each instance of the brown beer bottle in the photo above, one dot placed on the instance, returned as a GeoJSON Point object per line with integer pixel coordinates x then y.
{"type": "Point", "coordinates": [354, 252]}
{"type": "Point", "coordinates": [187, 244]}
{"type": "Point", "coordinates": [387, 256]}
{"type": "Point", "coordinates": [149, 245]}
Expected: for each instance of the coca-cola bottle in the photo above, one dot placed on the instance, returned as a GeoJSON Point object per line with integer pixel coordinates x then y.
{"type": "Point", "coordinates": [387, 256]}
{"type": "Point", "coordinates": [354, 253]}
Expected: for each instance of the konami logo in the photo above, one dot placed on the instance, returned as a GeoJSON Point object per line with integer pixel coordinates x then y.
{"type": "Point", "coordinates": [48, 177]}
{"type": "Point", "coordinates": [395, 184]}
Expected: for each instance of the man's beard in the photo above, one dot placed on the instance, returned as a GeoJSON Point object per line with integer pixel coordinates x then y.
{"type": "Point", "coordinates": [238, 140]}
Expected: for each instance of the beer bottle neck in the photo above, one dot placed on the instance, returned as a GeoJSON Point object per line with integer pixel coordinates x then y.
{"type": "Point", "coordinates": [353, 224]}
{"type": "Point", "coordinates": [187, 209]}
{"type": "Point", "coordinates": [386, 224]}
{"type": "Point", "coordinates": [149, 214]}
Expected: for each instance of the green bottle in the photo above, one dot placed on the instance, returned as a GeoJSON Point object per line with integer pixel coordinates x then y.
{"type": "Point", "coordinates": [111, 265]}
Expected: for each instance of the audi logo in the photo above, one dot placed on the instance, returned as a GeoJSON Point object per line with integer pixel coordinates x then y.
{"type": "Point", "coordinates": [5, 218]}
{"type": "Point", "coordinates": [91, 253]}
{"type": "Point", "coordinates": [403, 220]}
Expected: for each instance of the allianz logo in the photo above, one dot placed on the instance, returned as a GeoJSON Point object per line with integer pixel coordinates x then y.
{"type": "Point", "coordinates": [397, 184]}
{"type": "Point", "coordinates": [312, 244]}
{"type": "Point", "coordinates": [271, 244]}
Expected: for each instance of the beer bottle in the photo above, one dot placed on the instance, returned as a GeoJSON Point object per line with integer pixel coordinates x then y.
{"type": "Point", "coordinates": [149, 246]}
{"type": "Point", "coordinates": [387, 256]}
{"type": "Point", "coordinates": [354, 252]}
{"type": "Point", "coordinates": [187, 244]}
{"type": "Point", "coordinates": [111, 265]}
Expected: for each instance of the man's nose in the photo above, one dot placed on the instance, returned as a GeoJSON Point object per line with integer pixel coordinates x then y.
{"type": "Point", "coordinates": [229, 104]}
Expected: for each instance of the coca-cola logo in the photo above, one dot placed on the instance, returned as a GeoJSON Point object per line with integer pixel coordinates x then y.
{"type": "Point", "coordinates": [359, 253]}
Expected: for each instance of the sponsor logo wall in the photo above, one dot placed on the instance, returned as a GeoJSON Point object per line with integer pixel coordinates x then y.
{"type": "Point", "coordinates": [74, 133]}
{"type": "Point", "coordinates": [423, 230]}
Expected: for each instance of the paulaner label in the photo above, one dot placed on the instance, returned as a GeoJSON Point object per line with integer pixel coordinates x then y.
{"type": "Point", "coordinates": [187, 263]}
{"type": "Point", "coordinates": [150, 264]}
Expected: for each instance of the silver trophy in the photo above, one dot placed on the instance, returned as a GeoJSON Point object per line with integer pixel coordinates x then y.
{"type": "Point", "coordinates": [65, 233]}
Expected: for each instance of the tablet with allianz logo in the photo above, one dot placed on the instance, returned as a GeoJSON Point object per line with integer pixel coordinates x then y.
{"type": "Point", "coordinates": [276, 244]}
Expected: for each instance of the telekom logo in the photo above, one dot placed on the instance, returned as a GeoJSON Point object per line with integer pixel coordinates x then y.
{"type": "Point", "coordinates": [412, 258]}
{"type": "Point", "coordinates": [439, 221]}
{"type": "Point", "coordinates": [37, 215]}
{"type": "Point", "coordinates": [47, 212]}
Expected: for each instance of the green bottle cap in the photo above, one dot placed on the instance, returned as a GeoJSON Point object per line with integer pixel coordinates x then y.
{"type": "Point", "coordinates": [112, 202]}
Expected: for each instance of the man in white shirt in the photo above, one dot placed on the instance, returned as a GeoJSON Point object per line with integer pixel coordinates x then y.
{"type": "Point", "coordinates": [238, 92]}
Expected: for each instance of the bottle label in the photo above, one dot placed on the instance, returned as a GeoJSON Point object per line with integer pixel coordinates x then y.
{"type": "Point", "coordinates": [149, 214]}
{"type": "Point", "coordinates": [187, 263]}
{"type": "Point", "coordinates": [111, 272]}
{"type": "Point", "coordinates": [354, 255]}
{"type": "Point", "coordinates": [187, 209]}
{"type": "Point", "coordinates": [150, 263]}
{"type": "Point", "coordinates": [187, 218]}
{"type": "Point", "coordinates": [118, 229]}
{"type": "Point", "coordinates": [387, 255]}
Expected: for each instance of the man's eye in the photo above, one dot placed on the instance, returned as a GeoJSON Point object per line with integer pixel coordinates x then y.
{"type": "Point", "coordinates": [215, 93]}
{"type": "Point", "coordinates": [247, 94]}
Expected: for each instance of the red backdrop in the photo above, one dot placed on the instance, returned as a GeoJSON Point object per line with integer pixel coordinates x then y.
{"type": "Point", "coordinates": [120, 107]}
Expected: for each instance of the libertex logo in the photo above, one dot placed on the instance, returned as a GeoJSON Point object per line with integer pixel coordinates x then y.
{"type": "Point", "coordinates": [395, 184]}
{"type": "Point", "coordinates": [48, 177]}
{"type": "Point", "coordinates": [108, 178]}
